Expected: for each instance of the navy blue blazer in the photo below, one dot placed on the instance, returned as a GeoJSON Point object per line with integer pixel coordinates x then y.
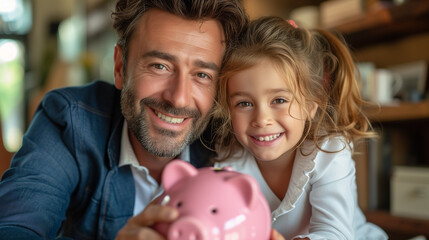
{"type": "Point", "coordinates": [65, 180]}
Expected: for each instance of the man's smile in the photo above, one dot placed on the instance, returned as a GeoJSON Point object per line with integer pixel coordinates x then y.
{"type": "Point", "coordinates": [168, 119]}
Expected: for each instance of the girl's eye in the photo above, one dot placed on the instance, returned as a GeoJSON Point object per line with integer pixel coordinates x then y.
{"type": "Point", "coordinates": [279, 101]}
{"type": "Point", "coordinates": [244, 104]}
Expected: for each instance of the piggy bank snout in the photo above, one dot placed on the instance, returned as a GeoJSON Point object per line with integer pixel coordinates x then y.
{"type": "Point", "coordinates": [188, 228]}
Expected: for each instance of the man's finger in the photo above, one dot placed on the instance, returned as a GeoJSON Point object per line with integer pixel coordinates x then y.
{"type": "Point", "coordinates": [276, 235]}
{"type": "Point", "coordinates": [155, 213]}
{"type": "Point", "coordinates": [138, 233]}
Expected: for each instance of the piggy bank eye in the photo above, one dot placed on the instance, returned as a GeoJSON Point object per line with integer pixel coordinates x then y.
{"type": "Point", "coordinates": [214, 210]}
{"type": "Point", "coordinates": [178, 204]}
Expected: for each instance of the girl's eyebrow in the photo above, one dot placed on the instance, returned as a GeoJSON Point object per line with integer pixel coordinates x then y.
{"type": "Point", "coordinates": [238, 94]}
{"type": "Point", "coordinates": [270, 91]}
{"type": "Point", "coordinates": [279, 90]}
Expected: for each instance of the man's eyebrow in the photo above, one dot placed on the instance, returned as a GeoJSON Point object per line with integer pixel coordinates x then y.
{"type": "Point", "coordinates": [169, 57]}
{"type": "Point", "coordinates": [162, 55]}
{"type": "Point", "coordinates": [208, 65]}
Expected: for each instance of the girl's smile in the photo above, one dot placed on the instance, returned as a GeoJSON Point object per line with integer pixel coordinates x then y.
{"type": "Point", "coordinates": [267, 140]}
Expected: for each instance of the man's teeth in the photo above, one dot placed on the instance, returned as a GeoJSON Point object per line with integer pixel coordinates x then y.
{"type": "Point", "coordinates": [268, 138]}
{"type": "Point", "coordinates": [169, 119]}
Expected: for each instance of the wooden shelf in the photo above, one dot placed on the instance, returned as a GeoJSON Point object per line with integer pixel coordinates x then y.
{"type": "Point", "coordinates": [289, 5]}
{"type": "Point", "coordinates": [382, 23]}
{"type": "Point", "coordinates": [399, 227]}
{"type": "Point", "coordinates": [386, 24]}
{"type": "Point", "coordinates": [400, 112]}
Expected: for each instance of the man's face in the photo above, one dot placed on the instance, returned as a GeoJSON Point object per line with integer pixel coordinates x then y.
{"type": "Point", "coordinates": [170, 81]}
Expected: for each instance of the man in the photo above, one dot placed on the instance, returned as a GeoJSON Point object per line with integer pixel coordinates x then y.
{"type": "Point", "coordinates": [83, 170]}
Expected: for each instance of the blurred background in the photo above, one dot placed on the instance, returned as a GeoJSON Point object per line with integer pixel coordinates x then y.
{"type": "Point", "coordinates": [46, 44]}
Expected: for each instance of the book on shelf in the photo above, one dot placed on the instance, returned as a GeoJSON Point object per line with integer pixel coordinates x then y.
{"type": "Point", "coordinates": [335, 12]}
{"type": "Point", "coordinates": [379, 171]}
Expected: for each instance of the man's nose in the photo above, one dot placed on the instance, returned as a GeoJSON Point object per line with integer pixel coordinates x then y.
{"type": "Point", "coordinates": [179, 91]}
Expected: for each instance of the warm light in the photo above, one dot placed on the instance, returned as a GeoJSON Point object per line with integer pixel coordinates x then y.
{"type": "Point", "coordinates": [9, 51]}
{"type": "Point", "coordinates": [71, 33]}
{"type": "Point", "coordinates": [15, 16]}
{"type": "Point", "coordinates": [11, 93]}
{"type": "Point", "coordinates": [7, 6]}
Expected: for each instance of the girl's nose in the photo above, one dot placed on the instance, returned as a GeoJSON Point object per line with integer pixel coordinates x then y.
{"type": "Point", "coordinates": [262, 118]}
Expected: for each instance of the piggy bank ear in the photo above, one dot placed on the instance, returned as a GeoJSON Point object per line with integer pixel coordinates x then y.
{"type": "Point", "coordinates": [248, 187]}
{"type": "Point", "coordinates": [175, 171]}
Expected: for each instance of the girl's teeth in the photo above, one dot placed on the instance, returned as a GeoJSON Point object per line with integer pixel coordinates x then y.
{"type": "Point", "coordinates": [268, 138]}
{"type": "Point", "coordinates": [169, 119]}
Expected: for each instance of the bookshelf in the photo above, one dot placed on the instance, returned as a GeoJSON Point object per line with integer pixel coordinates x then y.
{"type": "Point", "coordinates": [403, 120]}
{"type": "Point", "coordinates": [373, 29]}
{"type": "Point", "coordinates": [401, 126]}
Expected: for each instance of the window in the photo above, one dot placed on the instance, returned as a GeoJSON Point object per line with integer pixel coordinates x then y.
{"type": "Point", "coordinates": [15, 22]}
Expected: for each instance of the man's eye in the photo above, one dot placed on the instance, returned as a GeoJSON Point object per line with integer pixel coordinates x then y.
{"type": "Point", "coordinates": [159, 66]}
{"type": "Point", "coordinates": [203, 75]}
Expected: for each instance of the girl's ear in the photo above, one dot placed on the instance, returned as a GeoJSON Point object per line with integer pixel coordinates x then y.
{"type": "Point", "coordinates": [312, 109]}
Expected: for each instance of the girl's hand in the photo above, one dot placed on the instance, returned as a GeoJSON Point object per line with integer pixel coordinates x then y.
{"type": "Point", "coordinates": [276, 235]}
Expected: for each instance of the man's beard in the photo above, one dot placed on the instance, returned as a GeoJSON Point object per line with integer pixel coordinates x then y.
{"type": "Point", "coordinates": [165, 144]}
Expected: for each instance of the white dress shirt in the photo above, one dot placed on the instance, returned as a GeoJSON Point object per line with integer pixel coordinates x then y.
{"type": "Point", "coordinates": [146, 187]}
{"type": "Point", "coordinates": [321, 200]}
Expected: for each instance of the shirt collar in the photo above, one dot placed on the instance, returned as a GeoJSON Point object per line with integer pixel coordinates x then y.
{"type": "Point", "coordinates": [128, 157]}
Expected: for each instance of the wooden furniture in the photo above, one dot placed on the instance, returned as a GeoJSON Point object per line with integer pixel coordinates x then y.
{"type": "Point", "coordinates": [387, 25]}
{"type": "Point", "coordinates": [399, 228]}
{"type": "Point", "coordinates": [400, 112]}
{"type": "Point", "coordinates": [404, 117]}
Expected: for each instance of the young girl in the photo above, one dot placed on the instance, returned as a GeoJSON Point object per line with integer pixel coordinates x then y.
{"type": "Point", "coordinates": [291, 112]}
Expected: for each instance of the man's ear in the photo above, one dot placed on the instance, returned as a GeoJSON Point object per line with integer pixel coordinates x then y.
{"type": "Point", "coordinates": [118, 73]}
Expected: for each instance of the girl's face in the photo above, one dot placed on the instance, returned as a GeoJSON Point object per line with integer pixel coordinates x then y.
{"type": "Point", "coordinates": [264, 119]}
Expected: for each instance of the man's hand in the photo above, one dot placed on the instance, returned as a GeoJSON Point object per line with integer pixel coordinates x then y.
{"type": "Point", "coordinates": [139, 226]}
{"type": "Point", "coordinates": [276, 235]}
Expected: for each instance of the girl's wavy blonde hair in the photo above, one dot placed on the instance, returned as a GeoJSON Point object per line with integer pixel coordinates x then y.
{"type": "Point", "coordinates": [317, 66]}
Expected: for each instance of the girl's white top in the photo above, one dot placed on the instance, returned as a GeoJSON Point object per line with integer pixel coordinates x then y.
{"type": "Point", "coordinates": [321, 201]}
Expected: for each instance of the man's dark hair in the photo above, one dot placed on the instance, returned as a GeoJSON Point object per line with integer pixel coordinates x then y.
{"type": "Point", "coordinates": [230, 13]}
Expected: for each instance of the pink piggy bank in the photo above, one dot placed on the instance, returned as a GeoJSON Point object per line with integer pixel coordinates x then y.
{"type": "Point", "coordinates": [213, 204]}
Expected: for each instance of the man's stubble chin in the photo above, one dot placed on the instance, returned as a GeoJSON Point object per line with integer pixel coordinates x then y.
{"type": "Point", "coordinates": [164, 143]}
{"type": "Point", "coordinates": [157, 141]}
{"type": "Point", "coordinates": [160, 142]}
